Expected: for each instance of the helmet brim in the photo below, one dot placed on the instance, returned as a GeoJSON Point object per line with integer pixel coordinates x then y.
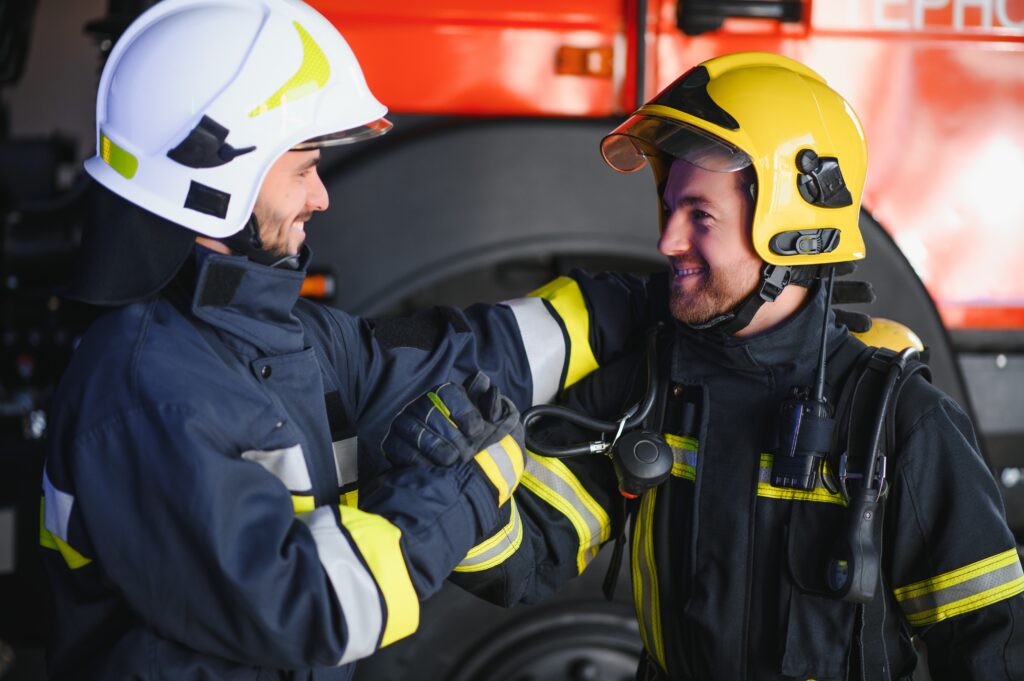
{"type": "Point", "coordinates": [351, 136]}
{"type": "Point", "coordinates": [627, 148]}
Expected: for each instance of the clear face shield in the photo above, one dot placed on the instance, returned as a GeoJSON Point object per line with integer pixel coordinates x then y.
{"type": "Point", "coordinates": [350, 136]}
{"type": "Point", "coordinates": [628, 147]}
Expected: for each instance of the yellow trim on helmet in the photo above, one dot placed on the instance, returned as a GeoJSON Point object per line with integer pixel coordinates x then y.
{"type": "Point", "coordinates": [312, 75]}
{"type": "Point", "coordinates": [118, 158]}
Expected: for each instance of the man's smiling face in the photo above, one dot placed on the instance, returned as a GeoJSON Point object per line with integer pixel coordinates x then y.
{"type": "Point", "coordinates": [707, 241]}
{"type": "Point", "coordinates": [290, 194]}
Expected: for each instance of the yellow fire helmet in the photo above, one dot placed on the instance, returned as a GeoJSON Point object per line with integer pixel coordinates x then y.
{"type": "Point", "coordinates": [757, 109]}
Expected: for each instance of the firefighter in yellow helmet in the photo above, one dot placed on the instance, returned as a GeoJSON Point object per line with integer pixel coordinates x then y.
{"type": "Point", "coordinates": [802, 505]}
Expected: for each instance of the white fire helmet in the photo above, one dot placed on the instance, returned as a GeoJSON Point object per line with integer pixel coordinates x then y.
{"type": "Point", "coordinates": [200, 97]}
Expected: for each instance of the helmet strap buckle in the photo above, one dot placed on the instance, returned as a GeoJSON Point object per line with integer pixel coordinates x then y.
{"type": "Point", "coordinates": [774, 278]}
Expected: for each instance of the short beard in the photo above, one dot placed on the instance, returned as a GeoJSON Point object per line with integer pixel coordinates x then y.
{"type": "Point", "coordinates": [718, 292]}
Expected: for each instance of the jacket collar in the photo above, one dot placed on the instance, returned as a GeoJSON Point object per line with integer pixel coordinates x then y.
{"type": "Point", "coordinates": [793, 345]}
{"type": "Point", "coordinates": [250, 301]}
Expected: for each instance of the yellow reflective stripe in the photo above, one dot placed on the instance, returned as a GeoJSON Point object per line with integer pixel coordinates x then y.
{"type": "Point", "coordinates": [118, 158]}
{"type": "Point", "coordinates": [49, 540]}
{"type": "Point", "coordinates": [46, 539]}
{"type": "Point", "coordinates": [645, 579]}
{"type": "Point", "coordinates": [684, 456]}
{"type": "Point", "coordinates": [312, 75]}
{"type": "Point", "coordinates": [553, 482]}
{"type": "Point", "coordinates": [962, 590]}
{"type": "Point", "coordinates": [566, 298]}
{"type": "Point", "coordinates": [496, 549]}
{"type": "Point", "coordinates": [681, 441]}
{"type": "Point", "coordinates": [303, 503]}
{"type": "Point", "coordinates": [659, 644]}
{"type": "Point", "coordinates": [350, 499]}
{"type": "Point", "coordinates": [378, 542]}
{"type": "Point", "coordinates": [766, 489]}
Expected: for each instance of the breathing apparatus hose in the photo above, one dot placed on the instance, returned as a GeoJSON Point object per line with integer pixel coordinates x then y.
{"type": "Point", "coordinates": [633, 417]}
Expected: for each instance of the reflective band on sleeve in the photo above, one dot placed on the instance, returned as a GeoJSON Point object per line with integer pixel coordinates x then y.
{"type": "Point", "coordinates": [684, 456]}
{"type": "Point", "coordinates": [765, 488]}
{"type": "Point", "coordinates": [497, 549]}
{"type": "Point", "coordinates": [566, 298]}
{"type": "Point", "coordinates": [962, 590]}
{"type": "Point", "coordinates": [645, 579]}
{"type": "Point", "coordinates": [349, 498]}
{"type": "Point", "coordinates": [502, 463]}
{"type": "Point", "coordinates": [303, 503]}
{"type": "Point", "coordinates": [287, 465]}
{"type": "Point", "coordinates": [346, 460]}
{"type": "Point", "coordinates": [55, 517]}
{"type": "Point", "coordinates": [354, 586]}
{"type": "Point", "coordinates": [544, 345]}
{"type": "Point", "coordinates": [553, 482]}
{"type": "Point", "coordinates": [378, 542]}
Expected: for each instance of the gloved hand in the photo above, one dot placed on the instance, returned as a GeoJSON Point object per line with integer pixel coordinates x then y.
{"type": "Point", "coordinates": [452, 424]}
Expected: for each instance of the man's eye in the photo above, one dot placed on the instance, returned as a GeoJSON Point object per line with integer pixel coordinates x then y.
{"type": "Point", "coordinates": [700, 215]}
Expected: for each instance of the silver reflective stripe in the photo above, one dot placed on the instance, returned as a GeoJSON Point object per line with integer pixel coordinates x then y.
{"type": "Point", "coordinates": [550, 487]}
{"type": "Point", "coordinates": [287, 465]}
{"type": "Point", "coordinates": [353, 585]}
{"type": "Point", "coordinates": [544, 345]}
{"type": "Point", "coordinates": [968, 588]}
{"type": "Point", "coordinates": [346, 460]}
{"type": "Point", "coordinates": [502, 459]}
{"type": "Point", "coordinates": [495, 550]}
{"type": "Point", "coordinates": [57, 513]}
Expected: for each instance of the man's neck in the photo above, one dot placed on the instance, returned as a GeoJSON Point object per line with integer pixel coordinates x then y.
{"type": "Point", "coordinates": [772, 314]}
{"type": "Point", "coordinates": [213, 245]}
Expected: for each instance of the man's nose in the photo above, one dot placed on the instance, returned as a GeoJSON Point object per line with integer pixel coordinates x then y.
{"type": "Point", "coordinates": [676, 237]}
{"type": "Point", "coordinates": [317, 199]}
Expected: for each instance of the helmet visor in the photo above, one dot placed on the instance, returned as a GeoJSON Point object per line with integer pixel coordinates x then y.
{"type": "Point", "coordinates": [350, 136]}
{"type": "Point", "coordinates": [627, 148]}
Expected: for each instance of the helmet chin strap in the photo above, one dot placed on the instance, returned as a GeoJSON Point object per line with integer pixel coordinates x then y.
{"type": "Point", "coordinates": [774, 278]}
{"type": "Point", "coordinates": [247, 242]}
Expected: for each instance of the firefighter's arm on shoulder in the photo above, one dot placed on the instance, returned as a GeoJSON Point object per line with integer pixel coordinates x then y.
{"type": "Point", "coordinates": [532, 348]}
{"type": "Point", "coordinates": [210, 548]}
{"type": "Point", "coordinates": [956, 573]}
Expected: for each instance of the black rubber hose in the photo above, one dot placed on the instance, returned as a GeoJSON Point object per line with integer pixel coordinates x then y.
{"type": "Point", "coordinates": [896, 368]}
{"type": "Point", "coordinates": [634, 416]}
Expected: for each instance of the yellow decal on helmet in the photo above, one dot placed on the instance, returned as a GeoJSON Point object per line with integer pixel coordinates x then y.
{"type": "Point", "coordinates": [117, 158]}
{"type": "Point", "coordinates": [312, 75]}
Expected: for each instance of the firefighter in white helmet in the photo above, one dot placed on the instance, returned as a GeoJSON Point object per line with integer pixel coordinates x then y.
{"type": "Point", "coordinates": [201, 497]}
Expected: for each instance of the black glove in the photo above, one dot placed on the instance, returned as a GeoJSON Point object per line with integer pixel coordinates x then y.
{"type": "Point", "coordinates": [452, 424]}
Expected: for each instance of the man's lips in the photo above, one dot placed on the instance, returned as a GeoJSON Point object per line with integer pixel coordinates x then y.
{"type": "Point", "coordinates": [684, 270]}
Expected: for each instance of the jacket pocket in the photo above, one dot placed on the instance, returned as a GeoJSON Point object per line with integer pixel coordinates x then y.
{"type": "Point", "coordinates": [819, 628]}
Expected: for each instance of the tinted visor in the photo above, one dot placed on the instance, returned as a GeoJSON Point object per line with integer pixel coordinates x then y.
{"type": "Point", "coordinates": [627, 147]}
{"type": "Point", "coordinates": [350, 136]}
